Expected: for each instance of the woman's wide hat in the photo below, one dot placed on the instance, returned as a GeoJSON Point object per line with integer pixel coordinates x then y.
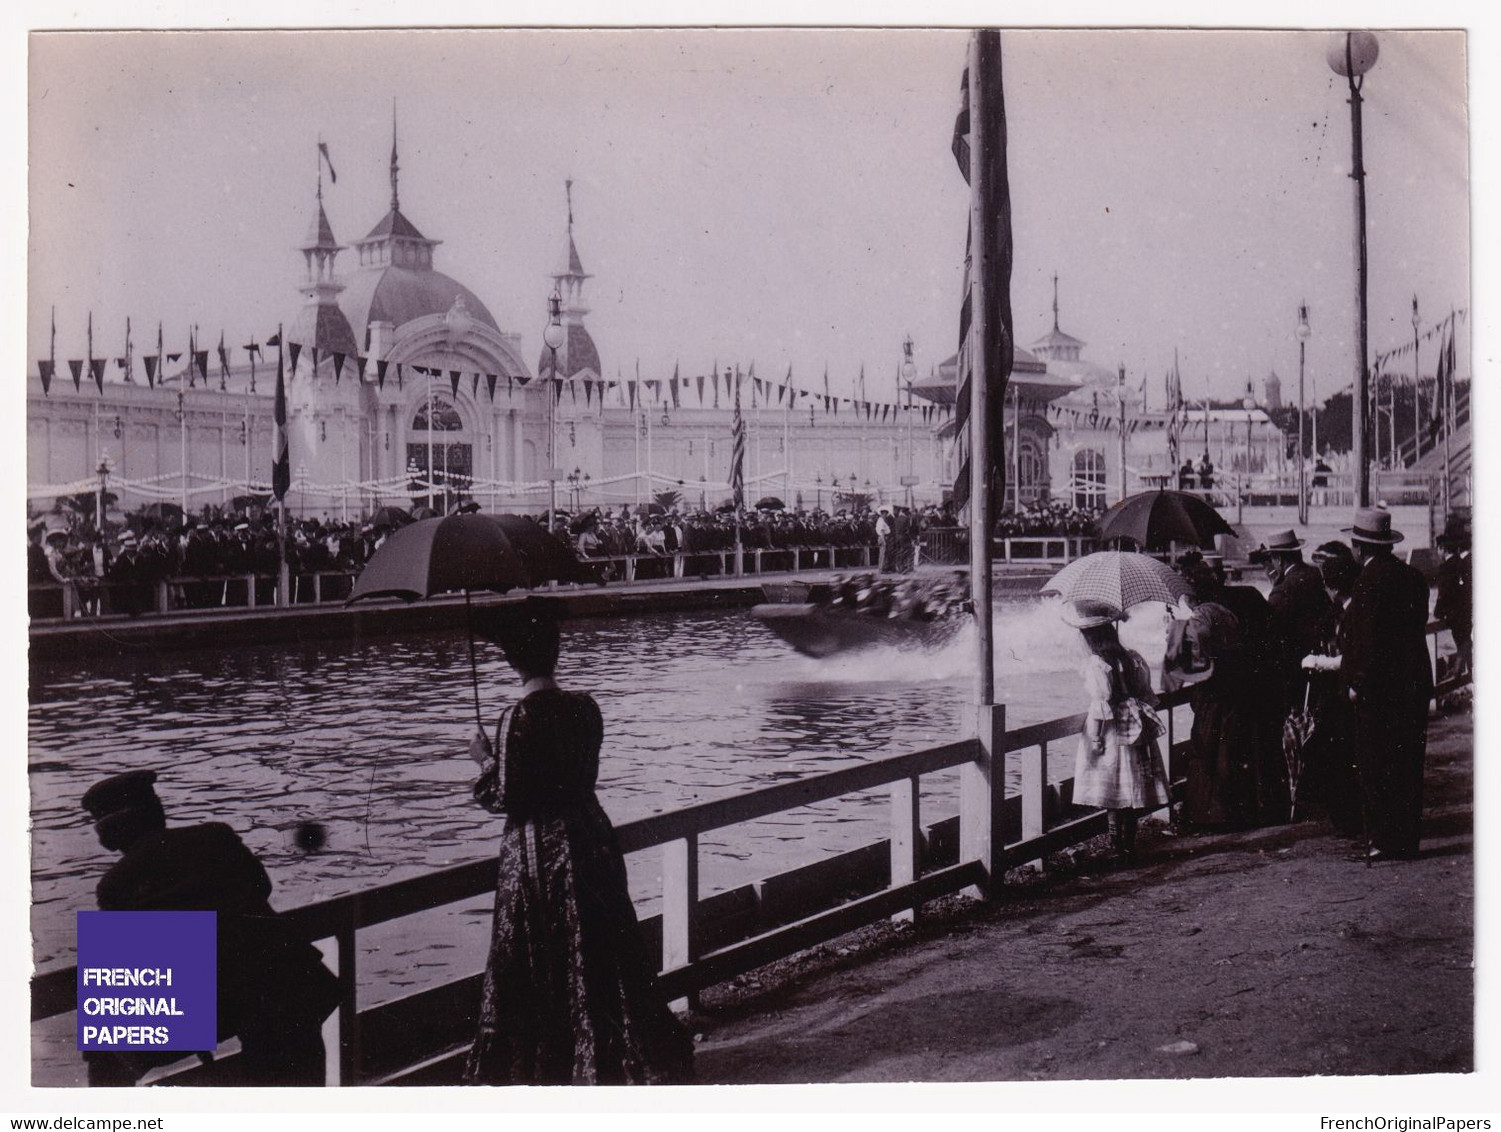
{"type": "Point", "coordinates": [1089, 614]}
{"type": "Point", "coordinates": [1374, 525]}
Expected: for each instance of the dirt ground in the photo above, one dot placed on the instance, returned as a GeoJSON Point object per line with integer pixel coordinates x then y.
{"type": "Point", "coordinates": [1266, 953]}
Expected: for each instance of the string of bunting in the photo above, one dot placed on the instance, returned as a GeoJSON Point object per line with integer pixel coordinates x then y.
{"type": "Point", "coordinates": [765, 392]}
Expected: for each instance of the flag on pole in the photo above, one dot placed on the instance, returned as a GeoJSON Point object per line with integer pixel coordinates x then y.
{"type": "Point", "coordinates": [323, 153]}
{"type": "Point", "coordinates": [737, 453]}
{"type": "Point", "coordinates": [990, 267]}
{"type": "Point", "coordinates": [223, 364]}
{"type": "Point", "coordinates": [1443, 377]}
{"type": "Point", "coordinates": [96, 365]}
{"type": "Point", "coordinates": [47, 366]}
{"type": "Point", "coordinates": [281, 462]}
{"type": "Point", "coordinates": [127, 363]}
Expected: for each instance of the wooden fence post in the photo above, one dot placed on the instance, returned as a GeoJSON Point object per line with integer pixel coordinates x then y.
{"type": "Point", "coordinates": [982, 790]}
{"type": "Point", "coordinates": [905, 841]}
{"type": "Point", "coordinates": [680, 906]}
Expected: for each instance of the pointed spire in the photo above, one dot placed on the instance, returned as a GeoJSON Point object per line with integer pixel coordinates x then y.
{"type": "Point", "coordinates": [568, 191]}
{"type": "Point", "coordinates": [395, 168]}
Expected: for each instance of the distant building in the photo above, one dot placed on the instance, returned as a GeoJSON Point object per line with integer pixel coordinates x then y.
{"type": "Point", "coordinates": [403, 378]}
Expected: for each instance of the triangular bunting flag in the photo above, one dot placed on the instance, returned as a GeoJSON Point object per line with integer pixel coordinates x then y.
{"type": "Point", "coordinates": [76, 365]}
{"type": "Point", "coordinates": [150, 360]}
{"type": "Point", "coordinates": [474, 387]}
{"type": "Point", "coordinates": [490, 380]}
{"type": "Point", "coordinates": [453, 378]}
{"type": "Point", "coordinates": [589, 392]}
{"type": "Point", "coordinates": [45, 368]}
{"type": "Point", "coordinates": [380, 372]}
{"type": "Point", "coordinates": [398, 375]}
{"type": "Point", "coordinates": [360, 367]}
{"type": "Point", "coordinates": [630, 391]}
{"type": "Point", "coordinates": [96, 370]}
{"type": "Point", "coordinates": [338, 365]}
{"type": "Point", "coordinates": [314, 351]}
{"type": "Point", "coordinates": [295, 348]}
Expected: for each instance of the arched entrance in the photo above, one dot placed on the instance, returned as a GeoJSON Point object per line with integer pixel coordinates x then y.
{"type": "Point", "coordinates": [440, 444]}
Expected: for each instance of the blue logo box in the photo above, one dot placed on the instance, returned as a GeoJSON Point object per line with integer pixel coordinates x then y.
{"type": "Point", "coordinates": [147, 981]}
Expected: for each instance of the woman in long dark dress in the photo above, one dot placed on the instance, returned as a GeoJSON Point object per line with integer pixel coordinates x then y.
{"type": "Point", "coordinates": [570, 993]}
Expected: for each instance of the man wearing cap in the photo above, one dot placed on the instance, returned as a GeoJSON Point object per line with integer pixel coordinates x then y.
{"type": "Point", "coordinates": [1384, 666]}
{"type": "Point", "coordinates": [1302, 614]}
{"type": "Point", "coordinates": [1454, 604]}
{"type": "Point", "coordinates": [274, 991]}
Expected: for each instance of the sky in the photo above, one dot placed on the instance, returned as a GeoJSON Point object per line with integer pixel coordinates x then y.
{"type": "Point", "coordinates": [786, 197]}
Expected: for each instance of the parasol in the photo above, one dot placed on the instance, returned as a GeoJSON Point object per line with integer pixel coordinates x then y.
{"type": "Point", "coordinates": [466, 552]}
{"type": "Point", "coordinates": [770, 503]}
{"type": "Point", "coordinates": [1154, 520]}
{"type": "Point", "coordinates": [1118, 578]}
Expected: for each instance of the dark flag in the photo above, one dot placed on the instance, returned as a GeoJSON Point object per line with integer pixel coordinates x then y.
{"type": "Point", "coordinates": [398, 375]}
{"type": "Point", "coordinates": [990, 266]}
{"type": "Point", "coordinates": [338, 366]}
{"type": "Point", "coordinates": [223, 364]}
{"type": "Point", "coordinates": [323, 153]}
{"type": "Point", "coordinates": [48, 366]}
{"type": "Point", "coordinates": [737, 454]}
{"type": "Point", "coordinates": [453, 377]}
{"type": "Point", "coordinates": [293, 348]}
{"type": "Point", "coordinates": [359, 367]}
{"type": "Point", "coordinates": [76, 365]}
{"type": "Point", "coordinates": [490, 380]}
{"type": "Point", "coordinates": [127, 363]}
{"type": "Point", "coordinates": [1443, 379]}
{"type": "Point", "coordinates": [281, 462]}
{"type": "Point", "coordinates": [96, 365]}
{"type": "Point", "coordinates": [675, 379]}
{"type": "Point", "coordinates": [380, 372]}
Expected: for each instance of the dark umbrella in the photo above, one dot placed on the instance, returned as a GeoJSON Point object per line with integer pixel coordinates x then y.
{"type": "Point", "coordinates": [425, 512]}
{"type": "Point", "coordinates": [770, 503]}
{"type": "Point", "coordinates": [1156, 519]}
{"type": "Point", "coordinates": [393, 517]}
{"type": "Point", "coordinates": [163, 512]}
{"type": "Point", "coordinates": [466, 552]}
{"type": "Point", "coordinates": [246, 502]}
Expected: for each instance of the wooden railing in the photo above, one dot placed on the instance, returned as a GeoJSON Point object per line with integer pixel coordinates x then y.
{"type": "Point", "coordinates": [704, 941]}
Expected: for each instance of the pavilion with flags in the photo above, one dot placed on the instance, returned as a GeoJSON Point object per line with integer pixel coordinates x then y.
{"type": "Point", "coordinates": [402, 386]}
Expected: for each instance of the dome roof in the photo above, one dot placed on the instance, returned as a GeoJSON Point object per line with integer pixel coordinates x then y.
{"type": "Point", "coordinates": [575, 355]}
{"type": "Point", "coordinates": [399, 294]}
{"type": "Point", "coordinates": [323, 325]}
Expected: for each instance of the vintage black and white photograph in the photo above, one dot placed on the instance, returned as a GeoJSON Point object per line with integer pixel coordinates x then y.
{"type": "Point", "coordinates": [755, 556]}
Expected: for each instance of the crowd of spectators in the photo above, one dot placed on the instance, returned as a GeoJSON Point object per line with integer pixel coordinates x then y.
{"type": "Point", "coordinates": [118, 569]}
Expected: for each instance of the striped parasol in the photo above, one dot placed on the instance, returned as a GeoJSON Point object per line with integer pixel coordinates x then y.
{"type": "Point", "coordinates": [1117, 578]}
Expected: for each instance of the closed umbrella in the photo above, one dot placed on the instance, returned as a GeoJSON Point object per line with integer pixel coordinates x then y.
{"type": "Point", "coordinates": [1297, 730]}
{"type": "Point", "coordinates": [1118, 578]}
{"type": "Point", "coordinates": [1154, 520]}
{"type": "Point", "coordinates": [466, 552]}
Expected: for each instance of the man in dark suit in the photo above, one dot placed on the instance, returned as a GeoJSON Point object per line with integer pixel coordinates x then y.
{"type": "Point", "coordinates": [1388, 676]}
{"type": "Point", "coordinates": [274, 991]}
{"type": "Point", "coordinates": [1454, 605]}
{"type": "Point", "coordinates": [1302, 616]}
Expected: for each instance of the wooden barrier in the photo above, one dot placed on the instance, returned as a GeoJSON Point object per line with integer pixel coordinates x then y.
{"type": "Point", "coordinates": [705, 941]}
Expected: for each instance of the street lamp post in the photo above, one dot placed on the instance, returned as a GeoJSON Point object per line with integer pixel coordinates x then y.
{"type": "Point", "coordinates": [103, 470]}
{"type": "Point", "coordinates": [1352, 54]}
{"type": "Point", "coordinates": [909, 374]}
{"type": "Point", "coordinates": [1303, 333]}
{"type": "Point", "coordinates": [552, 337]}
{"type": "Point", "coordinates": [1248, 402]}
{"type": "Point", "coordinates": [1417, 422]}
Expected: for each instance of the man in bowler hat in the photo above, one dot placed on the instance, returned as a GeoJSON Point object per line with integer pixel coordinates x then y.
{"type": "Point", "coordinates": [1302, 614]}
{"type": "Point", "coordinates": [1454, 604]}
{"type": "Point", "coordinates": [274, 991]}
{"type": "Point", "coordinates": [1385, 668]}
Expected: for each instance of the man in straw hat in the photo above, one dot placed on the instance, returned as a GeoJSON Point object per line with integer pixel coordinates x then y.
{"type": "Point", "coordinates": [1454, 605]}
{"type": "Point", "coordinates": [1385, 668]}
